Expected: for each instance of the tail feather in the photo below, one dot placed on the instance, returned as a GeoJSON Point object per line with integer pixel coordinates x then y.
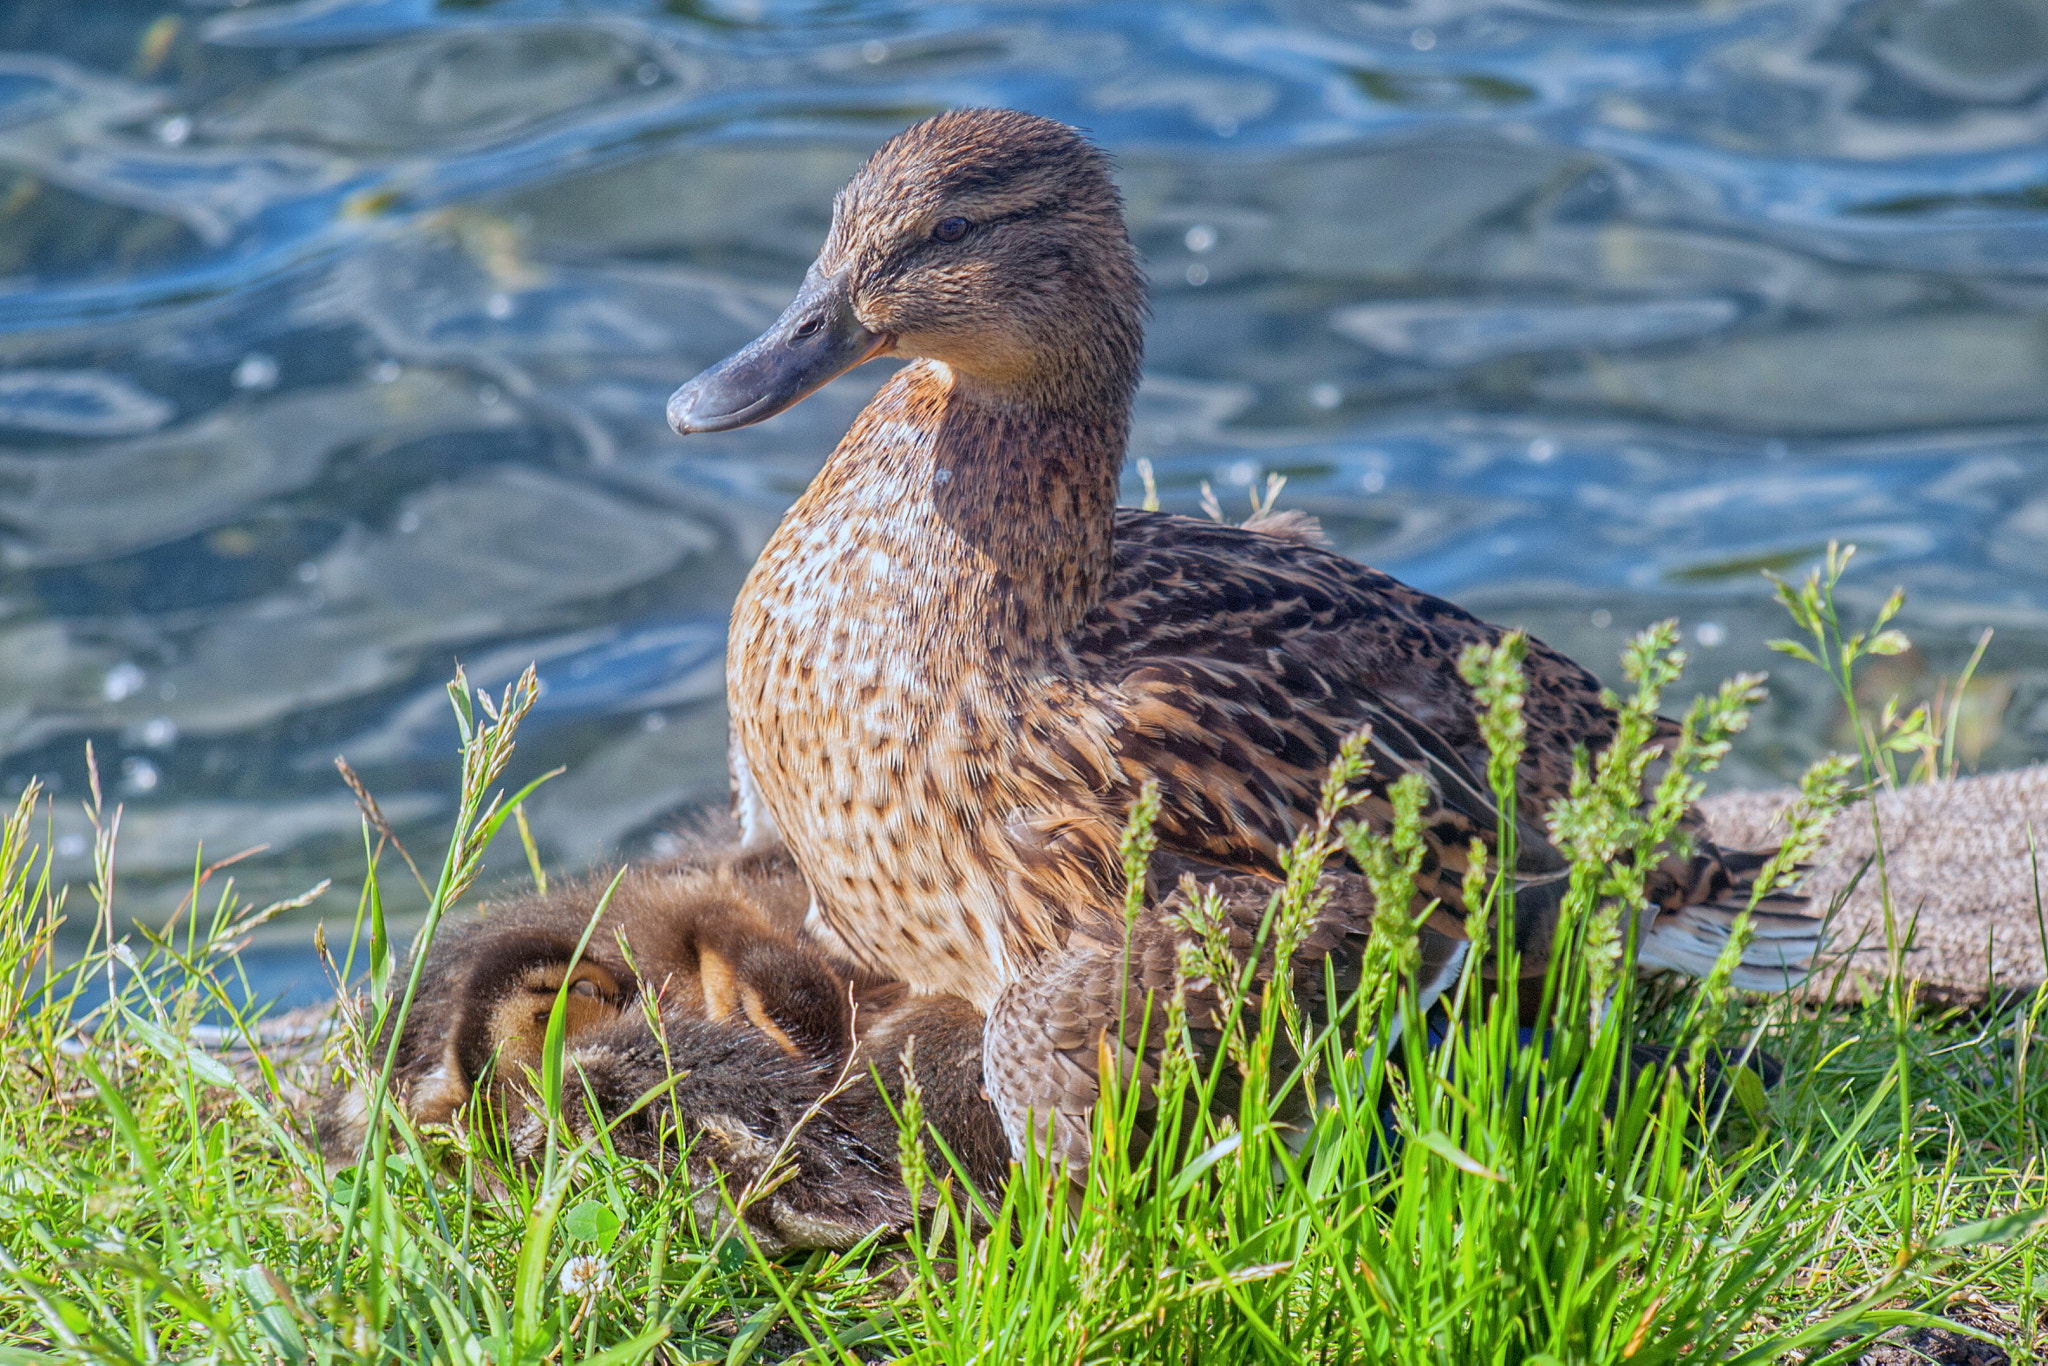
{"type": "Point", "coordinates": [1779, 955]}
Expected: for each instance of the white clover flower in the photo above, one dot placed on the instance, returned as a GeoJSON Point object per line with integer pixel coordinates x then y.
{"type": "Point", "coordinates": [585, 1276]}
{"type": "Point", "coordinates": [362, 1337]}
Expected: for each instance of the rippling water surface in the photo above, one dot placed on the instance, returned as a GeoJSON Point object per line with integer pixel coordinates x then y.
{"type": "Point", "coordinates": [334, 339]}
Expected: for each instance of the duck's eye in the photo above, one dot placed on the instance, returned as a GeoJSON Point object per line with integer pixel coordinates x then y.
{"type": "Point", "coordinates": [950, 229]}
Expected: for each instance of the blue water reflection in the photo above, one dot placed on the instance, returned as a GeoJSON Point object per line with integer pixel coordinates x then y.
{"type": "Point", "coordinates": [336, 335]}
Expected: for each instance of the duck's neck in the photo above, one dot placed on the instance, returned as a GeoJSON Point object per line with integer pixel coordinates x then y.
{"type": "Point", "coordinates": [995, 505]}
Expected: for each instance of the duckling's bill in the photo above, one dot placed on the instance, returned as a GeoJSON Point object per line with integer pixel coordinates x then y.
{"type": "Point", "coordinates": [818, 338]}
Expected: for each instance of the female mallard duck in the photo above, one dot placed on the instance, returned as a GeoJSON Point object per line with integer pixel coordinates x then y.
{"type": "Point", "coordinates": [958, 660]}
{"type": "Point", "coordinates": [699, 1021]}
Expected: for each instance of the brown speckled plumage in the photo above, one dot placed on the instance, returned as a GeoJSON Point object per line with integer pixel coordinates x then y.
{"type": "Point", "coordinates": [957, 661]}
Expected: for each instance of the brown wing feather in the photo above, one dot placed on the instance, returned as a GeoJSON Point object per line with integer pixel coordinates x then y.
{"type": "Point", "coordinates": [1330, 627]}
{"type": "Point", "coordinates": [1231, 665]}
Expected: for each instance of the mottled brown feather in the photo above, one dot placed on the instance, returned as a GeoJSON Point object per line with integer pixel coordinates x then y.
{"type": "Point", "coordinates": [957, 662]}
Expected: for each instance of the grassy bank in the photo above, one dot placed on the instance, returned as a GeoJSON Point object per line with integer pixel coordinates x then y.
{"type": "Point", "coordinates": [1491, 1199]}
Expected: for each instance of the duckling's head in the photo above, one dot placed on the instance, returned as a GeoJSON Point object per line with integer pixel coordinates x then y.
{"type": "Point", "coordinates": [987, 239]}
{"type": "Point", "coordinates": [511, 992]}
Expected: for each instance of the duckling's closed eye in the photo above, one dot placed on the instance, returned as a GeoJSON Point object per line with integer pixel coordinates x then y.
{"type": "Point", "coordinates": [950, 229]}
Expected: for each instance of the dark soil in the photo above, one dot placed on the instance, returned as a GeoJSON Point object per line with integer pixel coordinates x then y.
{"type": "Point", "coordinates": [1935, 1346]}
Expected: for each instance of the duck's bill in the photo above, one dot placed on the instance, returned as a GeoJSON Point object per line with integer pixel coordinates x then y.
{"type": "Point", "coordinates": [817, 339]}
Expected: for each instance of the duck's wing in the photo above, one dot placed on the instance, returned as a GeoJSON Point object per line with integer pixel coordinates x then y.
{"type": "Point", "coordinates": [1237, 781]}
{"type": "Point", "coordinates": [1230, 665]}
{"type": "Point", "coordinates": [1204, 590]}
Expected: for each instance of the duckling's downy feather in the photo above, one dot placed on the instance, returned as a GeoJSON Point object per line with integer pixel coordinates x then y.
{"type": "Point", "coordinates": [705, 1032]}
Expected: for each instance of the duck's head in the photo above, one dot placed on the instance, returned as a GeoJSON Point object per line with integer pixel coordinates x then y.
{"type": "Point", "coordinates": [989, 240]}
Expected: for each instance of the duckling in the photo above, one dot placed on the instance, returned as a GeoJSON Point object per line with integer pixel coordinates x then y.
{"type": "Point", "coordinates": [484, 996]}
{"type": "Point", "coordinates": [804, 1148]}
{"type": "Point", "coordinates": [699, 942]}
{"type": "Point", "coordinates": [698, 1024]}
{"type": "Point", "coordinates": [957, 661]}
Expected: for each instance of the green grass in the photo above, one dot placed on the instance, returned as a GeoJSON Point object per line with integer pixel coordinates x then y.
{"type": "Point", "coordinates": [157, 1202]}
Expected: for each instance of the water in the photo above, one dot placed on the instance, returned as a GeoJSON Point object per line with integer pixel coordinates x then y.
{"type": "Point", "coordinates": [336, 335]}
